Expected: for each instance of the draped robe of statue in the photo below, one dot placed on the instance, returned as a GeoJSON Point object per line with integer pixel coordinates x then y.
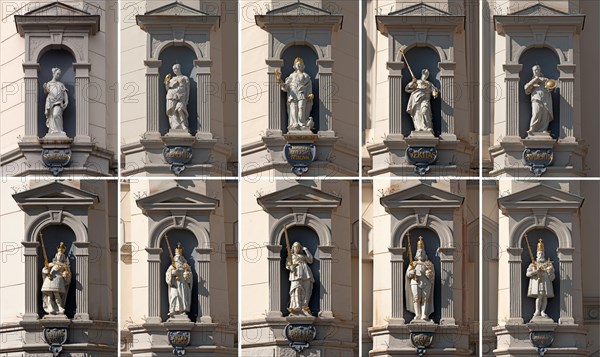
{"type": "Point", "coordinates": [419, 103]}
{"type": "Point", "coordinates": [179, 280]}
{"type": "Point", "coordinates": [178, 96]}
{"type": "Point", "coordinates": [541, 102]}
{"type": "Point", "coordinates": [57, 278]}
{"type": "Point", "coordinates": [301, 278]}
{"type": "Point", "coordinates": [419, 286]}
{"type": "Point", "coordinates": [57, 100]}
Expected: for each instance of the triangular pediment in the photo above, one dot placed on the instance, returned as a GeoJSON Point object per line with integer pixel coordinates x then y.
{"type": "Point", "coordinates": [540, 196]}
{"type": "Point", "coordinates": [55, 15]}
{"type": "Point", "coordinates": [421, 196]}
{"type": "Point", "coordinates": [57, 9]}
{"type": "Point", "coordinates": [298, 9]}
{"type": "Point", "coordinates": [420, 9]}
{"type": "Point", "coordinates": [54, 194]}
{"type": "Point", "coordinates": [299, 14]}
{"type": "Point", "coordinates": [177, 199]}
{"type": "Point", "coordinates": [177, 9]}
{"type": "Point", "coordinates": [299, 196]}
{"type": "Point", "coordinates": [539, 10]}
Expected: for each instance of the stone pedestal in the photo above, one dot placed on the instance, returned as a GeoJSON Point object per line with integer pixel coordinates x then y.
{"type": "Point", "coordinates": [453, 157]}
{"type": "Point", "coordinates": [204, 339]}
{"type": "Point", "coordinates": [509, 157]}
{"type": "Point", "coordinates": [395, 340]}
{"type": "Point", "coordinates": [528, 339]}
{"type": "Point", "coordinates": [323, 164]}
{"type": "Point", "coordinates": [147, 157]}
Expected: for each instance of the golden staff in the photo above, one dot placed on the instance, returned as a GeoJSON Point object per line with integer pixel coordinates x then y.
{"type": "Point", "coordinates": [45, 255]}
{"type": "Point", "coordinates": [287, 244]}
{"type": "Point", "coordinates": [531, 256]}
{"type": "Point", "coordinates": [171, 254]}
{"type": "Point", "coordinates": [410, 255]}
{"type": "Point", "coordinates": [407, 64]}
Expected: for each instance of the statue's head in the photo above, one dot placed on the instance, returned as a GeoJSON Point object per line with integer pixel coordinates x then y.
{"type": "Point", "coordinates": [60, 253]}
{"type": "Point", "coordinates": [424, 74]}
{"type": "Point", "coordinates": [421, 254]}
{"type": "Point", "coordinates": [296, 247]}
{"type": "Point", "coordinates": [540, 250]}
{"type": "Point", "coordinates": [179, 249]}
{"type": "Point", "coordinates": [56, 73]}
{"type": "Point", "coordinates": [177, 69]}
{"type": "Point", "coordinates": [537, 70]}
{"type": "Point", "coordinates": [299, 64]}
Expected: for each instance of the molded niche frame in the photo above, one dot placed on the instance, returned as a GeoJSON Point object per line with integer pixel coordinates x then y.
{"type": "Point", "coordinates": [176, 24]}
{"type": "Point", "coordinates": [177, 208]}
{"type": "Point", "coordinates": [424, 206]}
{"type": "Point", "coordinates": [300, 206]}
{"type": "Point", "coordinates": [544, 207]}
{"type": "Point", "coordinates": [55, 204]}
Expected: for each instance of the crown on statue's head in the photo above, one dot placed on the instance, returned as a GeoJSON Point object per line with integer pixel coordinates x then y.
{"type": "Point", "coordinates": [298, 59]}
{"type": "Point", "coordinates": [420, 243]}
{"type": "Point", "coordinates": [179, 248]}
{"type": "Point", "coordinates": [540, 245]}
{"type": "Point", "coordinates": [61, 247]}
{"type": "Point", "coordinates": [296, 244]}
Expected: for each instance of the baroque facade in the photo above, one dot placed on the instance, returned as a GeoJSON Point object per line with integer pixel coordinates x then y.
{"type": "Point", "coordinates": [61, 232]}
{"type": "Point", "coordinates": [61, 124]}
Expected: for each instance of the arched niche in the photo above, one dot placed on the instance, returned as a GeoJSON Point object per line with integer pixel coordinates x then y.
{"type": "Point", "coordinates": [46, 207]}
{"type": "Point", "coordinates": [293, 25]}
{"type": "Point", "coordinates": [64, 60]}
{"type": "Point", "coordinates": [184, 56]}
{"type": "Point", "coordinates": [192, 35]}
{"type": "Point", "coordinates": [309, 239]}
{"type": "Point", "coordinates": [421, 58]}
{"type": "Point", "coordinates": [53, 235]}
{"type": "Point", "coordinates": [54, 27]}
{"type": "Point", "coordinates": [189, 242]}
{"type": "Point", "coordinates": [300, 206]}
{"type": "Point", "coordinates": [186, 214]}
{"type": "Point", "coordinates": [310, 58]}
{"type": "Point", "coordinates": [432, 244]}
{"type": "Point", "coordinates": [548, 60]}
{"type": "Point", "coordinates": [551, 250]}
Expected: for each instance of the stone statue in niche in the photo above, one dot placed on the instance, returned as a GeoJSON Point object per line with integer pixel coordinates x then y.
{"type": "Point", "coordinates": [179, 280]}
{"type": "Point", "coordinates": [420, 278]}
{"type": "Point", "coordinates": [57, 277]}
{"type": "Point", "coordinates": [540, 88]}
{"type": "Point", "coordinates": [301, 278]}
{"type": "Point", "coordinates": [178, 95]}
{"type": "Point", "coordinates": [419, 103]}
{"type": "Point", "coordinates": [541, 275]}
{"type": "Point", "coordinates": [299, 97]}
{"type": "Point", "coordinates": [57, 100]}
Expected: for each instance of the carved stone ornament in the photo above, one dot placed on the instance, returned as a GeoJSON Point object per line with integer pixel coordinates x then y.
{"type": "Point", "coordinates": [178, 157]}
{"type": "Point", "coordinates": [300, 156]}
{"type": "Point", "coordinates": [421, 157]}
{"type": "Point", "coordinates": [421, 341]}
{"type": "Point", "coordinates": [541, 340]}
{"type": "Point", "coordinates": [179, 340]}
{"type": "Point", "coordinates": [55, 337]}
{"type": "Point", "coordinates": [538, 160]}
{"type": "Point", "coordinates": [300, 335]}
{"type": "Point", "coordinates": [56, 159]}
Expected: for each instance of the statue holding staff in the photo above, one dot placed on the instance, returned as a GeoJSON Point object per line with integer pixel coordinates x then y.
{"type": "Point", "coordinates": [57, 278]}
{"type": "Point", "coordinates": [420, 278]}
{"type": "Point", "coordinates": [179, 280]}
{"type": "Point", "coordinates": [419, 103]}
